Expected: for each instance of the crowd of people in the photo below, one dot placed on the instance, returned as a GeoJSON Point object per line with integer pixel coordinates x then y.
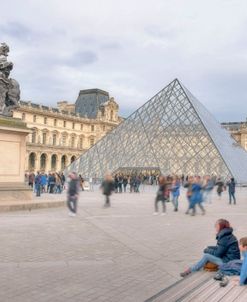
{"type": "Point", "coordinates": [199, 190]}
{"type": "Point", "coordinates": [41, 182]}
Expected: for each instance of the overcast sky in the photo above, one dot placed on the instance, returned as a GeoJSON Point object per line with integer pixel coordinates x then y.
{"type": "Point", "coordinates": [131, 48]}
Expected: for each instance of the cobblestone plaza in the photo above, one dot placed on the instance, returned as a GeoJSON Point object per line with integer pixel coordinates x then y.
{"type": "Point", "coordinates": [123, 253]}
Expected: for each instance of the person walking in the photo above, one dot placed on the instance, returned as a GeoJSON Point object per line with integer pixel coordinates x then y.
{"type": "Point", "coordinates": [38, 184]}
{"type": "Point", "coordinates": [73, 194]}
{"type": "Point", "coordinates": [161, 196]}
{"type": "Point", "coordinates": [231, 190]}
{"type": "Point", "coordinates": [196, 197]}
{"type": "Point", "coordinates": [220, 187]}
{"type": "Point", "coordinates": [125, 183]}
{"type": "Point", "coordinates": [188, 186]}
{"type": "Point", "coordinates": [175, 189]}
{"type": "Point", "coordinates": [51, 182]}
{"type": "Point", "coordinates": [107, 187]}
{"type": "Point", "coordinates": [208, 188]}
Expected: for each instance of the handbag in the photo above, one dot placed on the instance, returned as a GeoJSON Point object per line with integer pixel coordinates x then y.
{"type": "Point", "coordinates": [210, 267]}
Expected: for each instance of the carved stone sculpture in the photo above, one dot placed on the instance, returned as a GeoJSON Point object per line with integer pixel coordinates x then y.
{"type": "Point", "coordinates": [9, 88]}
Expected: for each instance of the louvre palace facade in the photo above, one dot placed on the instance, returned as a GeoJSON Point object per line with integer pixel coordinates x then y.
{"type": "Point", "coordinates": [59, 135]}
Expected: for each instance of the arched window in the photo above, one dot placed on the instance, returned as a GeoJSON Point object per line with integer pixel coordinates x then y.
{"type": "Point", "coordinates": [43, 160]}
{"type": "Point", "coordinates": [53, 161]}
{"type": "Point", "coordinates": [34, 118]}
{"type": "Point", "coordinates": [73, 158]}
{"type": "Point", "coordinates": [45, 120]}
{"type": "Point", "coordinates": [55, 122]}
{"type": "Point", "coordinates": [23, 116]}
{"type": "Point", "coordinates": [64, 162]}
{"type": "Point", "coordinates": [92, 128]}
{"type": "Point", "coordinates": [111, 117]}
{"type": "Point", "coordinates": [31, 161]}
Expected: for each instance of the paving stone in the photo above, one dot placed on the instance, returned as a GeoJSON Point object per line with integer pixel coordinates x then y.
{"type": "Point", "coordinates": [123, 253]}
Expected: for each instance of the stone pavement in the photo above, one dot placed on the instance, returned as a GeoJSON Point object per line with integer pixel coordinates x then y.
{"type": "Point", "coordinates": [123, 253]}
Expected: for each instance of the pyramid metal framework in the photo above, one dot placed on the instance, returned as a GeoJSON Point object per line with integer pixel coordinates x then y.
{"type": "Point", "coordinates": [173, 132]}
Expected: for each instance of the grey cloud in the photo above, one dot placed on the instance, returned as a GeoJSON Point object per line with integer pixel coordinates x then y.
{"type": "Point", "coordinates": [15, 30]}
{"type": "Point", "coordinates": [81, 58]}
{"type": "Point", "coordinates": [161, 33]}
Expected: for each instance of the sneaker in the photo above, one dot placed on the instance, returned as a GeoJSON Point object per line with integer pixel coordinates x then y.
{"type": "Point", "coordinates": [155, 213]}
{"type": "Point", "coordinates": [219, 276]}
{"type": "Point", "coordinates": [185, 273]}
{"type": "Point", "coordinates": [224, 282]}
{"type": "Point", "coordinates": [72, 214]}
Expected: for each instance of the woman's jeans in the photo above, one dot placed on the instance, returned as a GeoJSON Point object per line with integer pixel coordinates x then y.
{"type": "Point", "coordinates": [175, 202]}
{"type": "Point", "coordinates": [72, 204]}
{"type": "Point", "coordinates": [206, 258]}
{"type": "Point", "coordinates": [157, 199]}
{"type": "Point", "coordinates": [232, 195]}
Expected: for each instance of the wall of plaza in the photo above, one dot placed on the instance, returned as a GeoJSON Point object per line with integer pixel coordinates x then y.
{"type": "Point", "coordinates": [60, 135]}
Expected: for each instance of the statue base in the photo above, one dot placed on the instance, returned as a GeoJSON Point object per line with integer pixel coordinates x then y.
{"type": "Point", "coordinates": [13, 134]}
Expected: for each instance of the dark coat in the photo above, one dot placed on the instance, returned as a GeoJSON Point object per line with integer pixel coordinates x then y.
{"type": "Point", "coordinates": [73, 188]}
{"type": "Point", "coordinates": [107, 187]}
{"type": "Point", "coordinates": [231, 186]}
{"type": "Point", "coordinates": [227, 246]}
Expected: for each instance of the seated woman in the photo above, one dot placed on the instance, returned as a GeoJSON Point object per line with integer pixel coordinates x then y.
{"type": "Point", "coordinates": [227, 248]}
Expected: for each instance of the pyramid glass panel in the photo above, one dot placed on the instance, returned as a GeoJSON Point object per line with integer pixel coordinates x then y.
{"type": "Point", "coordinates": [172, 132]}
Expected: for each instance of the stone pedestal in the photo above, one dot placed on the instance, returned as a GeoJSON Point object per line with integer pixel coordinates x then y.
{"type": "Point", "coordinates": [13, 134]}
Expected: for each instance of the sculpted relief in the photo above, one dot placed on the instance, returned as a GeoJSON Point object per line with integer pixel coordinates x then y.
{"type": "Point", "coordinates": [9, 88]}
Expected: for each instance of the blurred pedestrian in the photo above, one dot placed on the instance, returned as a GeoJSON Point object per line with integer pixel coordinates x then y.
{"type": "Point", "coordinates": [107, 187]}
{"type": "Point", "coordinates": [231, 190]}
{"type": "Point", "coordinates": [175, 191]}
{"type": "Point", "coordinates": [162, 195]}
{"type": "Point", "coordinates": [220, 187]}
{"type": "Point", "coordinates": [73, 194]}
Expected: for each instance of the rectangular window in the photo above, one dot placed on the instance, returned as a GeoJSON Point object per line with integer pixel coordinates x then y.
{"type": "Point", "coordinates": [73, 142]}
{"type": "Point", "coordinates": [45, 120]}
{"type": "Point", "coordinates": [23, 116]}
{"type": "Point", "coordinates": [54, 139]}
{"type": "Point", "coordinates": [64, 140]}
{"type": "Point", "coordinates": [34, 137]}
{"type": "Point", "coordinates": [73, 125]}
{"type": "Point", "coordinates": [34, 118]}
{"type": "Point", "coordinates": [91, 142]}
{"type": "Point", "coordinates": [44, 138]}
{"type": "Point", "coordinates": [81, 126]}
{"type": "Point", "coordinates": [55, 122]}
{"type": "Point", "coordinates": [81, 143]}
{"type": "Point", "coordinates": [64, 124]}
{"type": "Point", "coordinates": [92, 128]}
{"type": "Point", "coordinates": [103, 127]}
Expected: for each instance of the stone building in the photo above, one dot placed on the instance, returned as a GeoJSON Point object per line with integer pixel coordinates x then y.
{"type": "Point", "coordinates": [59, 135]}
{"type": "Point", "coordinates": [238, 131]}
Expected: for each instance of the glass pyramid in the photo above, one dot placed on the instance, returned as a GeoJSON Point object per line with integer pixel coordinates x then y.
{"type": "Point", "coordinates": [173, 132]}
